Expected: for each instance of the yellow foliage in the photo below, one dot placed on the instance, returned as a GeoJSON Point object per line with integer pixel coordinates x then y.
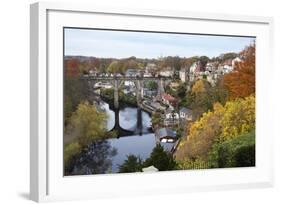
{"type": "Point", "coordinates": [87, 123]}
{"type": "Point", "coordinates": [200, 86]}
{"type": "Point", "coordinates": [239, 117]}
{"type": "Point", "coordinates": [71, 150]}
{"type": "Point", "coordinates": [223, 123]}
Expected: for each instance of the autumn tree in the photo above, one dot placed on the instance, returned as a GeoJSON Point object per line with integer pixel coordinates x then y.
{"type": "Point", "coordinates": [222, 124]}
{"type": "Point", "coordinates": [86, 124]}
{"type": "Point", "coordinates": [113, 67]}
{"type": "Point", "coordinates": [201, 98]}
{"type": "Point", "coordinates": [71, 68]}
{"type": "Point", "coordinates": [200, 86]}
{"type": "Point", "coordinates": [239, 118]}
{"type": "Point", "coordinates": [75, 91]}
{"type": "Point", "coordinates": [202, 135]}
{"type": "Point", "coordinates": [241, 82]}
{"type": "Point", "coordinates": [187, 62]}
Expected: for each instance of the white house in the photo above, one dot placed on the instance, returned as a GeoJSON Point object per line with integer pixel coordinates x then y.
{"type": "Point", "coordinates": [196, 67]}
{"type": "Point", "coordinates": [167, 72]}
{"type": "Point", "coordinates": [183, 75]}
{"type": "Point", "coordinates": [212, 66]}
{"type": "Point", "coordinates": [186, 114]}
{"type": "Point", "coordinates": [132, 73]}
{"type": "Point", "coordinates": [228, 65]}
{"type": "Point", "coordinates": [147, 75]}
{"type": "Point", "coordinates": [93, 72]}
{"type": "Point", "coordinates": [150, 67]}
{"type": "Point", "coordinates": [171, 115]}
{"type": "Point", "coordinates": [235, 60]}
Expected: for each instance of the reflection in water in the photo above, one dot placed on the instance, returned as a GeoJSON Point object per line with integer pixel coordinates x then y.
{"type": "Point", "coordinates": [137, 145]}
{"type": "Point", "coordinates": [128, 119]}
{"type": "Point", "coordinates": [146, 121]}
{"type": "Point", "coordinates": [95, 159]}
{"type": "Point", "coordinates": [106, 156]}
{"type": "Point", "coordinates": [110, 115]}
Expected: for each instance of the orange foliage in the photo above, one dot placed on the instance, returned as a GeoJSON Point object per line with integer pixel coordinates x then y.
{"type": "Point", "coordinates": [241, 82]}
{"type": "Point", "coordinates": [71, 68]}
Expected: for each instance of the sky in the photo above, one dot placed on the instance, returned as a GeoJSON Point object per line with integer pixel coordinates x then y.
{"type": "Point", "coordinates": [124, 44]}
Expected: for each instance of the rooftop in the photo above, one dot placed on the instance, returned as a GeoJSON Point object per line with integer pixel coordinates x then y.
{"type": "Point", "coordinates": [168, 97]}
{"type": "Point", "coordinates": [165, 132]}
{"type": "Point", "coordinates": [186, 110]}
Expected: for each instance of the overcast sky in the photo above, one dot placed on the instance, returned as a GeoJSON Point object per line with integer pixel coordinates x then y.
{"type": "Point", "coordinates": [123, 44]}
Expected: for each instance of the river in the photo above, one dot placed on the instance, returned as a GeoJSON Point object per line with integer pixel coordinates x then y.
{"type": "Point", "coordinates": [138, 145]}
{"type": "Point", "coordinates": [105, 156]}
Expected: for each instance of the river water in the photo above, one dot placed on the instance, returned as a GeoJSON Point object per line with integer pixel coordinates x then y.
{"type": "Point", "coordinates": [105, 156]}
{"type": "Point", "coordinates": [139, 145]}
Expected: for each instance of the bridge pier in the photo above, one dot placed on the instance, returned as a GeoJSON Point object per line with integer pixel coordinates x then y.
{"type": "Point", "coordinates": [160, 88]}
{"type": "Point", "coordinates": [117, 125]}
{"type": "Point", "coordinates": [139, 93]}
{"type": "Point", "coordinates": [116, 96]}
{"type": "Point", "coordinates": [139, 122]}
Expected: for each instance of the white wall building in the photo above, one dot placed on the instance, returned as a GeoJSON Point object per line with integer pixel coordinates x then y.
{"type": "Point", "coordinates": [183, 75]}
{"type": "Point", "coordinates": [167, 72]}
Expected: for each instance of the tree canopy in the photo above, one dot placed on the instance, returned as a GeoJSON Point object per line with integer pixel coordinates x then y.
{"type": "Point", "coordinates": [223, 123]}
{"type": "Point", "coordinates": [87, 124]}
{"type": "Point", "coordinates": [160, 159]}
{"type": "Point", "coordinates": [131, 164]}
{"type": "Point", "coordinates": [241, 82]}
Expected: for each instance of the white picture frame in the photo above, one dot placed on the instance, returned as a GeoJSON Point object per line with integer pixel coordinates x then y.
{"type": "Point", "coordinates": [47, 182]}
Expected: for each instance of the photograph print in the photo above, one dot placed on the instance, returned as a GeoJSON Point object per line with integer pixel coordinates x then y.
{"type": "Point", "coordinates": [139, 101]}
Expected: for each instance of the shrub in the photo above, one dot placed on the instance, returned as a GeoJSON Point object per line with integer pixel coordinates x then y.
{"type": "Point", "coordinates": [237, 152]}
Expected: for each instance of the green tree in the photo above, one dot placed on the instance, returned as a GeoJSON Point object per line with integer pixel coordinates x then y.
{"type": "Point", "coordinates": [131, 164]}
{"type": "Point", "coordinates": [181, 90]}
{"type": "Point", "coordinates": [203, 96]}
{"type": "Point", "coordinates": [160, 159]}
{"type": "Point", "coordinates": [237, 152]}
{"type": "Point", "coordinates": [151, 85]}
{"type": "Point", "coordinates": [113, 67]}
{"type": "Point", "coordinates": [204, 60]}
{"type": "Point", "coordinates": [156, 120]}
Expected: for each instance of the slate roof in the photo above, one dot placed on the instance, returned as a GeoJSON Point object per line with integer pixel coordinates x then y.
{"type": "Point", "coordinates": [165, 132]}
{"type": "Point", "coordinates": [186, 111]}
